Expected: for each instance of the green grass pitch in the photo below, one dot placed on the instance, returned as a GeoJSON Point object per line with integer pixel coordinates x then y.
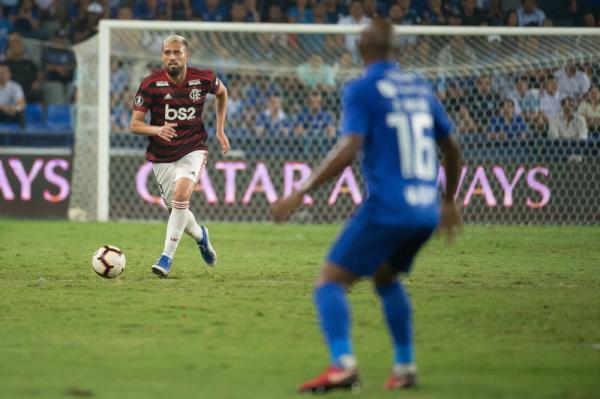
{"type": "Point", "coordinates": [507, 312]}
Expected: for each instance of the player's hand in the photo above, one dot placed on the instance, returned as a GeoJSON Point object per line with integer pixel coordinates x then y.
{"type": "Point", "coordinates": [224, 141]}
{"type": "Point", "coordinates": [451, 220]}
{"type": "Point", "coordinates": [167, 131]}
{"type": "Point", "coordinates": [284, 207]}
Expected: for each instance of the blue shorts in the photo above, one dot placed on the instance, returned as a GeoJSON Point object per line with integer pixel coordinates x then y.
{"type": "Point", "coordinates": [363, 246]}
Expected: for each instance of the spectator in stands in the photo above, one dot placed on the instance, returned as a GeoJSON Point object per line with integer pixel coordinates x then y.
{"type": "Point", "coordinates": [252, 14]}
{"type": "Point", "coordinates": [511, 19]}
{"type": "Point", "coordinates": [316, 74]}
{"type": "Point", "coordinates": [59, 69]}
{"type": "Point", "coordinates": [179, 10]}
{"type": "Point", "coordinates": [527, 102]}
{"type": "Point", "coordinates": [343, 68]}
{"type": "Point", "coordinates": [275, 14]}
{"type": "Point", "coordinates": [12, 99]}
{"type": "Point", "coordinates": [333, 10]}
{"type": "Point", "coordinates": [374, 8]}
{"type": "Point", "coordinates": [471, 15]}
{"type": "Point", "coordinates": [529, 14]}
{"type": "Point", "coordinates": [119, 115]}
{"type": "Point", "coordinates": [572, 82]}
{"type": "Point", "coordinates": [26, 18]}
{"type": "Point", "coordinates": [273, 121]}
{"type": "Point", "coordinates": [412, 15]}
{"type": "Point", "coordinates": [300, 13]}
{"type": "Point", "coordinates": [119, 79]}
{"type": "Point", "coordinates": [320, 15]}
{"type": "Point", "coordinates": [434, 13]}
{"type": "Point", "coordinates": [589, 20]}
{"type": "Point", "coordinates": [238, 12]}
{"type": "Point", "coordinates": [148, 9]}
{"type": "Point", "coordinates": [564, 12]}
{"type": "Point", "coordinates": [568, 124]}
{"type": "Point", "coordinates": [482, 101]}
{"type": "Point", "coordinates": [210, 10]}
{"type": "Point", "coordinates": [464, 121]}
{"type": "Point", "coordinates": [550, 99]}
{"type": "Point", "coordinates": [500, 8]}
{"type": "Point", "coordinates": [9, 6]}
{"type": "Point", "coordinates": [493, 50]}
{"type": "Point", "coordinates": [88, 25]}
{"type": "Point", "coordinates": [399, 15]}
{"type": "Point", "coordinates": [453, 17]}
{"type": "Point", "coordinates": [356, 17]}
{"type": "Point", "coordinates": [590, 109]}
{"type": "Point", "coordinates": [235, 103]}
{"type": "Point", "coordinates": [314, 121]}
{"type": "Point", "coordinates": [457, 53]}
{"type": "Point", "coordinates": [590, 11]}
{"type": "Point", "coordinates": [59, 19]}
{"type": "Point", "coordinates": [125, 12]}
{"type": "Point", "coordinates": [23, 70]}
{"type": "Point", "coordinates": [507, 125]}
{"type": "Point", "coordinates": [6, 27]}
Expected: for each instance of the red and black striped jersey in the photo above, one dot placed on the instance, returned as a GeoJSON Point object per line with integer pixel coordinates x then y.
{"type": "Point", "coordinates": [176, 103]}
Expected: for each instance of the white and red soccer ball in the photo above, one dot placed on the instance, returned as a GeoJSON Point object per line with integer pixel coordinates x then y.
{"type": "Point", "coordinates": [108, 261]}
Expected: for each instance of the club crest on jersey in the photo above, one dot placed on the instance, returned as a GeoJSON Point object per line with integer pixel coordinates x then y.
{"type": "Point", "coordinates": [139, 101]}
{"type": "Point", "coordinates": [162, 83]}
{"type": "Point", "coordinates": [196, 94]}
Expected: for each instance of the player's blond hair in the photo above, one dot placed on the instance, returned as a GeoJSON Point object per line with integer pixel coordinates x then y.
{"type": "Point", "coordinates": [175, 39]}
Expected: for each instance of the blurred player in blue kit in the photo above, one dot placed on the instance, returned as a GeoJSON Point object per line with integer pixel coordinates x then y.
{"type": "Point", "coordinates": [393, 116]}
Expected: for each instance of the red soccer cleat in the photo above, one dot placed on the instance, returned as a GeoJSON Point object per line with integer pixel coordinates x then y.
{"type": "Point", "coordinates": [332, 378]}
{"type": "Point", "coordinates": [395, 381]}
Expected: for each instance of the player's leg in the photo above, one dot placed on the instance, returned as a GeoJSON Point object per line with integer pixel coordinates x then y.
{"type": "Point", "coordinates": [334, 318]}
{"type": "Point", "coordinates": [178, 218]}
{"type": "Point", "coordinates": [398, 316]}
{"type": "Point", "coordinates": [357, 252]}
{"type": "Point", "coordinates": [200, 235]}
{"type": "Point", "coordinates": [397, 305]}
{"type": "Point", "coordinates": [177, 181]}
{"type": "Point", "coordinates": [192, 162]}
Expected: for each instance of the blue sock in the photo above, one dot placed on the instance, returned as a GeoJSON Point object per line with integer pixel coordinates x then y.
{"type": "Point", "coordinates": [398, 315]}
{"type": "Point", "coordinates": [334, 317]}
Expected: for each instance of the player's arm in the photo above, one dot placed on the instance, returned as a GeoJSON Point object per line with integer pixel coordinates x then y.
{"type": "Point", "coordinates": [452, 162]}
{"type": "Point", "coordinates": [138, 125]}
{"type": "Point", "coordinates": [221, 95]}
{"type": "Point", "coordinates": [451, 220]}
{"type": "Point", "coordinates": [341, 155]}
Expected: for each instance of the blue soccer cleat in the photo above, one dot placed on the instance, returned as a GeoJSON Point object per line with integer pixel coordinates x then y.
{"type": "Point", "coordinates": [206, 250]}
{"type": "Point", "coordinates": [162, 267]}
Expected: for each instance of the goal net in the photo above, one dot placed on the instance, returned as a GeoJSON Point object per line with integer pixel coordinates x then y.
{"type": "Point", "coordinates": [525, 103]}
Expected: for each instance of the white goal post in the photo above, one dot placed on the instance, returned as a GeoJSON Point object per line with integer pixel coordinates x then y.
{"type": "Point", "coordinates": [91, 193]}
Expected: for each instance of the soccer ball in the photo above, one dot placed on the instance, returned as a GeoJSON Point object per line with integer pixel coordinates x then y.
{"type": "Point", "coordinates": [108, 261]}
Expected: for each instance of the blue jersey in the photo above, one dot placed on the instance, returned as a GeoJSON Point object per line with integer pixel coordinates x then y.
{"type": "Point", "coordinates": [400, 120]}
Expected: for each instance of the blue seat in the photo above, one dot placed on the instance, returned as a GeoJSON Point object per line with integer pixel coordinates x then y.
{"type": "Point", "coordinates": [58, 116]}
{"type": "Point", "coordinates": [34, 114]}
{"type": "Point", "coordinates": [10, 127]}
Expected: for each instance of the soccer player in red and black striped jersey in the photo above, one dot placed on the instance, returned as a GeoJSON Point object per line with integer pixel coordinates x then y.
{"type": "Point", "coordinates": [174, 96]}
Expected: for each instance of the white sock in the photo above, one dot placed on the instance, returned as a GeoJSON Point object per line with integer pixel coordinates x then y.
{"type": "Point", "coordinates": [402, 369]}
{"type": "Point", "coordinates": [192, 228]}
{"type": "Point", "coordinates": [175, 226]}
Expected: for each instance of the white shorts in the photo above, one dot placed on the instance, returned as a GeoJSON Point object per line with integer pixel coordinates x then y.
{"type": "Point", "coordinates": [190, 166]}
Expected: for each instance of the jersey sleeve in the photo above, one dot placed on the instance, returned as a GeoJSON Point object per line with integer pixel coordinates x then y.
{"type": "Point", "coordinates": [143, 99]}
{"type": "Point", "coordinates": [354, 110]}
{"type": "Point", "coordinates": [442, 125]}
{"type": "Point", "coordinates": [215, 83]}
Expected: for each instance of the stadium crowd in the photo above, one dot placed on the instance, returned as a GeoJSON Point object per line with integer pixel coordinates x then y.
{"type": "Point", "coordinates": [37, 65]}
